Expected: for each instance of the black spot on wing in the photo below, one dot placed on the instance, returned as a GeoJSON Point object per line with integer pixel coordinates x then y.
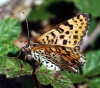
{"type": "Point", "coordinates": [75, 21]}
{"type": "Point", "coordinates": [81, 20]}
{"type": "Point", "coordinates": [75, 36]}
{"type": "Point", "coordinates": [61, 36]}
{"type": "Point", "coordinates": [69, 42]}
{"type": "Point", "coordinates": [64, 42]}
{"type": "Point", "coordinates": [50, 41]}
{"type": "Point", "coordinates": [47, 37]}
{"type": "Point", "coordinates": [51, 66]}
{"type": "Point", "coordinates": [69, 25]}
{"type": "Point", "coordinates": [78, 16]}
{"type": "Point", "coordinates": [76, 32]}
{"type": "Point", "coordinates": [47, 62]}
{"type": "Point", "coordinates": [53, 34]}
{"type": "Point", "coordinates": [80, 27]}
{"type": "Point", "coordinates": [56, 41]}
{"type": "Point", "coordinates": [67, 32]}
{"type": "Point", "coordinates": [75, 42]}
{"type": "Point", "coordinates": [82, 23]}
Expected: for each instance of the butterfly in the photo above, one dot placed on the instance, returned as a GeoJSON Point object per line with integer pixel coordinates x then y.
{"type": "Point", "coordinates": [59, 48]}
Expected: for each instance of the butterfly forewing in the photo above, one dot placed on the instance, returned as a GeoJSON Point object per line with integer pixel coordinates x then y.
{"type": "Point", "coordinates": [69, 33]}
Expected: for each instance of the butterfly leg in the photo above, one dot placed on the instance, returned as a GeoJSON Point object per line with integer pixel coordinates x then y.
{"type": "Point", "coordinates": [21, 51]}
{"type": "Point", "coordinates": [26, 51]}
{"type": "Point", "coordinates": [27, 56]}
{"type": "Point", "coordinates": [18, 54]}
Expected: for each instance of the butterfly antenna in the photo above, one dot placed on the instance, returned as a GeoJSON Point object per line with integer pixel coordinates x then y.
{"type": "Point", "coordinates": [27, 28]}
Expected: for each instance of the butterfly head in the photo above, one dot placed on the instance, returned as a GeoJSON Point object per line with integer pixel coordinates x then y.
{"type": "Point", "coordinates": [27, 44]}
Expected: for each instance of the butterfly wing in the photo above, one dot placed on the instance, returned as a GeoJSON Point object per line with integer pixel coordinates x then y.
{"type": "Point", "coordinates": [64, 57]}
{"type": "Point", "coordinates": [69, 33]}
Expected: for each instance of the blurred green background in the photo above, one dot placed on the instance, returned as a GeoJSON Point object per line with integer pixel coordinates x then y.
{"type": "Point", "coordinates": [44, 15]}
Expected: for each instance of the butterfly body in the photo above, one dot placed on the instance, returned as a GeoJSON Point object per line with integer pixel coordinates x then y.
{"type": "Point", "coordinates": [59, 48]}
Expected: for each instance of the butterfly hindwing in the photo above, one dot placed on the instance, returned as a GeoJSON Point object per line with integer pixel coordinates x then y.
{"type": "Point", "coordinates": [62, 58]}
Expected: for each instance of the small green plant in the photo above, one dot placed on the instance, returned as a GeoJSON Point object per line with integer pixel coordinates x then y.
{"type": "Point", "coordinates": [9, 31]}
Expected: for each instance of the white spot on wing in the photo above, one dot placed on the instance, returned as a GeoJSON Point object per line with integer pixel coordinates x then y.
{"type": "Point", "coordinates": [82, 60]}
{"type": "Point", "coordinates": [48, 64]}
{"type": "Point", "coordinates": [41, 56]}
{"type": "Point", "coordinates": [74, 69]}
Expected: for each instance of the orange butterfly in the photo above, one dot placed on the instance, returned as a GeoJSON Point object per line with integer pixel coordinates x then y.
{"type": "Point", "coordinates": [59, 48]}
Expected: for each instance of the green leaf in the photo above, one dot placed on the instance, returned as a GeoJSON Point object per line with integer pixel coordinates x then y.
{"type": "Point", "coordinates": [9, 30]}
{"type": "Point", "coordinates": [92, 66]}
{"type": "Point", "coordinates": [7, 48]}
{"type": "Point", "coordinates": [94, 83]}
{"type": "Point", "coordinates": [87, 7]}
{"type": "Point", "coordinates": [75, 78]}
{"type": "Point", "coordinates": [50, 77]}
{"type": "Point", "coordinates": [12, 67]}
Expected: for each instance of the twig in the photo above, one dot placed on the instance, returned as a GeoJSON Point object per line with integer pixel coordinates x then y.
{"type": "Point", "coordinates": [35, 80]}
{"type": "Point", "coordinates": [90, 38]}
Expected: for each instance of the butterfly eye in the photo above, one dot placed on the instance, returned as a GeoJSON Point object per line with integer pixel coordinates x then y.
{"type": "Point", "coordinates": [27, 45]}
